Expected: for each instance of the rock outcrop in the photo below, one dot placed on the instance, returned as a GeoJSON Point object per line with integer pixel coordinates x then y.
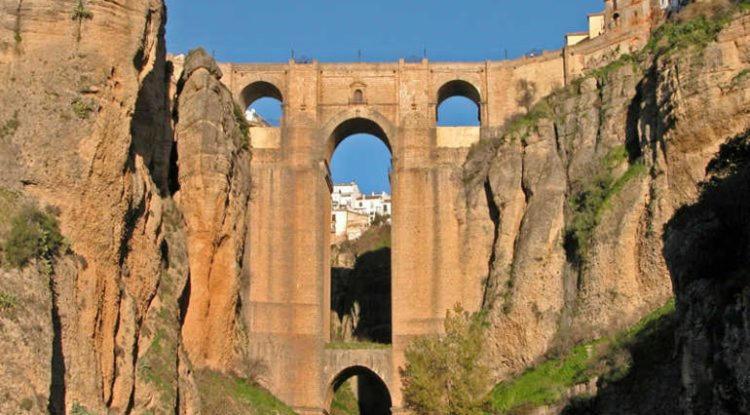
{"type": "Point", "coordinates": [214, 180]}
{"type": "Point", "coordinates": [578, 191]}
{"type": "Point", "coordinates": [707, 247]}
{"type": "Point", "coordinates": [86, 129]}
{"type": "Point", "coordinates": [84, 83]}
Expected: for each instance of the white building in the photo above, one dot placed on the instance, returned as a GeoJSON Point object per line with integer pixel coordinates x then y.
{"type": "Point", "coordinates": [353, 212]}
{"type": "Point", "coordinates": [344, 194]}
{"type": "Point", "coordinates": [254, 119]}
{"type": "Point", "coordinates": [373, 205]}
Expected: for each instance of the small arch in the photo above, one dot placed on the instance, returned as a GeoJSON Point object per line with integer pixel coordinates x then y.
{"type": "Point", "coordinates": [374, 398]}
{"type": "Point", "coordinates": [258, 90]}
{"type": "Point", "coordinates": [264, 103]}
{"type": "Point", "coordinates": [459, 89]}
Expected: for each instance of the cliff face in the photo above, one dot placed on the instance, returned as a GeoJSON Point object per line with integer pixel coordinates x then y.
{"type": "Point", "coordinates": [84, 87]}
{"type": "Point", "coordinates": [86, 129]}
{"type": "Point", "coordinates": [706, 247]}
{"type": "Point", "coordinates": [578, 191]}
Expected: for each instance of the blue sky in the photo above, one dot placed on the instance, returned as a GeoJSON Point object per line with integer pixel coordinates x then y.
{"type": "Point", "coordinates": [383, 30]}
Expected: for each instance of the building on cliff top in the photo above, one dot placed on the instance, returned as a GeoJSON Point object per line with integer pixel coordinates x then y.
{"type": "Point", "coordinates": [353, 212]}
{"type": "Point", "coordinates": [623, 15]}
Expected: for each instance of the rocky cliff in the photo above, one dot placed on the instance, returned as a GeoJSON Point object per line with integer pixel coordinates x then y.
{"type": "Point", "coordinates": [83, 84]}
{"type": "Point", "coordinates": [214, 188]}
{"type": "Point", "coordinates": [578, 190]}
{"type": "Point", "coordinates": [149, 215]}
{"type": "Point", "coordinates": [706, 247]}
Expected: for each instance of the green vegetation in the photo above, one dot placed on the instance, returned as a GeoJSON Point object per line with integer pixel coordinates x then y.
{"type": "Point", "coordinates": [373, 239]}
{"type": "Point", "coordinates": [593, 198]}
{"type": "Point", "coordinates": [242, 124]}
{"type": "Point", "coordinates": [79, 409]}
{"type": "Point", "coordinates": [7, 301]}
{"type": "Point", "coordinates": [444, 374]}
{"type": "Point", "coordinates": [521, 127]}
{"type": "Point", "coordinates": [356, 345]}
{"type": "Point", "coordinates": [81, 12]}
{"type": "Point", "coordinates": [700, 25]}
{"type": "Point", "coordinates": [81, 108]}
{"type": "Point", "coordinates": [26, 404]}
{"type": "Point", "coordinates": [9, 128]}
{"type": "Point", "coordinates": [544, 384]}
{"type": "Point", "coordinates": [603, 73]}
{"type": "Point", "coordinates": [740, 78]}
{"type": "Point", "coordinates": [607, 358]}
{"type": "Point", "coordinates": [229, 395]}
{"type": "Point", "coordinates": [157, 366]}
{"type": "Point", "coordinates": [33, 235]}
{"type": "Point", "coordinates": [344, 401]}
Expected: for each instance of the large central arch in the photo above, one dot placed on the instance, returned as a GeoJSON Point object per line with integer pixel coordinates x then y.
{"type": "Point", "coordinates": [356, 121]}
{"type": "Point", "coordinates": [372, 392]}
{"type": "Point", "coordinates": [341, 128]}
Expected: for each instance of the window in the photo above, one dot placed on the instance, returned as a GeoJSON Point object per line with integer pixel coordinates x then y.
{"type": "Point", "coordinates": [359, 97]}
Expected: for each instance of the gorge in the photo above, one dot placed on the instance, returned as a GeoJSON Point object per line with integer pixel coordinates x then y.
{"type": "Point", "coordinates": [161, 255]}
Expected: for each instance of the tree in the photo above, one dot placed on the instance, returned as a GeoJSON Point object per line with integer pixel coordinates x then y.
{"type": "Point", "coordinates": [526, 94]}
{"type": "Point", "coordinates": [444, 374]}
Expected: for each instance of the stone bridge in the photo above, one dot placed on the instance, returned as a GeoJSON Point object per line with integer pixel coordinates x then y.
{"type": "Point", "coordinates": [323, 104]}
{"type": "Point", "coordinates": [437, 260]}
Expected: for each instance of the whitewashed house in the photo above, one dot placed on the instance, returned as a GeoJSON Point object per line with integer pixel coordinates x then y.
{"type": "Point", "coordinates": [353, 212]}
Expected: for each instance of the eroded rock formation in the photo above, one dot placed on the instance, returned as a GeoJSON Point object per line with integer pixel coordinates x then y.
{"type": "Point", "coordinates": [579, 191]}
{"type": "Point", "coordinates": [214, 181]}
{"type": "Point", "coordinates": [85, 87]}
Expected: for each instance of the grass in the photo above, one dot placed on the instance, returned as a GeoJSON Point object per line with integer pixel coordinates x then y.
{"type": "Point", "coordinates": [79, 409]}
{"type": "Point", "coordinates": [356, 345]}
{"type": "Point", "coordinates": [523, 126]}
{"type": "Point", "coordinates": [604, 72]}
{"type": "Point", "coordinates": [548, 382]}
{"type": "Point", "coordinates": [736, 81]}
{"type": "Point", "coordinates": [344, 401]}
{"type": "Point", "coordinates": [9, 128]}
{"type": "Point", "coordinates": [544, 384]}
{"type": "Point", "coordinates": [229, 395]}
{"type": "Point", "coordinates": [372, 239]}
{"type": "Point", "coordinates": [8, 301]}
{"type": "Point", "coordinates": [157, 366]}
{"type": "Point", "coordinates": [81, 12]}
{"type": "Point", "coordinates": [698, 31]}
{"type": "Point", "coordinates": [81, 109]}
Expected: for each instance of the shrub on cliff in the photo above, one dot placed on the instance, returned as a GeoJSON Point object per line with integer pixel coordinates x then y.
{"type": "Point", "coordinates": [34, 234]}
{"type": "Point", "coordinates": [444, 374]}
